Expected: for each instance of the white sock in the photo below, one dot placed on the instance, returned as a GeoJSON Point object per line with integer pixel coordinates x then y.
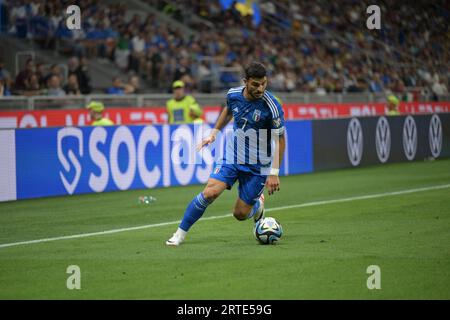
{"type": "Point", "coordinates": [181, 233]}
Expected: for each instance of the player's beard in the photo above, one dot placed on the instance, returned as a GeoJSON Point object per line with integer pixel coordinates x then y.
{"type": "Point", "coordinates": [255, 94]}
{"type": "Point", "coordinates": [258, 95]}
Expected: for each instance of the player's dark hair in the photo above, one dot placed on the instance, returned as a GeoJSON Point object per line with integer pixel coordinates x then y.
{"type": "Point", "coordinates": [255, 70]}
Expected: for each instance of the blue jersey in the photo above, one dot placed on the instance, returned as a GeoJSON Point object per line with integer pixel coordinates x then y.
{"type": "Point", "coordinates": [255, 122]}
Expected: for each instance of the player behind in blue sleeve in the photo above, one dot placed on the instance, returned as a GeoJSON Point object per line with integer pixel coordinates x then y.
{"type": "Point", "coordinates": [258, 121]}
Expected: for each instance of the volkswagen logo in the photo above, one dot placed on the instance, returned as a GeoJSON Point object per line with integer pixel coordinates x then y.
{"type": "Point", "coordinates": [383, 139]}
{"type": "Point", "coordinates": [435, 136]}
{"type": "Point", "coordinates": [409, 138]}
{"type": "Point", "coordinates": [354, 141]}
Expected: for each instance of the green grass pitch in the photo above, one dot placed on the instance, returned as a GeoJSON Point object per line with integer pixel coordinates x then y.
{"type": "Point", "coordinates": [323, 254]}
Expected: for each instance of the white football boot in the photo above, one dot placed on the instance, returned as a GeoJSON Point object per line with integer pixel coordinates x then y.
{"type": "Point", "coordinates": [177, 238]}
{"type": "Point", "coordinates": [260, 213]}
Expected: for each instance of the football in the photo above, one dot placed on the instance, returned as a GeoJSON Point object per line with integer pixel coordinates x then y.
{"type": "Point", "coordinates": [268, 231]}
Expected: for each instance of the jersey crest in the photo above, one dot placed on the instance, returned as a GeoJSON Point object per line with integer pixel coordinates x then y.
{"type": "Point", "coordinates": [256, 115]}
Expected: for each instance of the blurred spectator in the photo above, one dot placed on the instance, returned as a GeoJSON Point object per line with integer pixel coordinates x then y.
{"type": "Point", "coordinates": [54, 86]}
{"type": "Point", "coordinates": [122, 51]}
{"type": "Point", "coordinates": [80, 69]}
{"type": "Point", "coordinates": [96, 112]}
{"type": "Point", "coordinates": [117, 87]}
{"type": "Point", "coordinates": [229, 77]}
{"type": "Point", "coordinates": [356, 86]}
{"type": "Point", "coordinates": [205, 77]}
{"type": "Point", "coordinates": [137, 51]}
{"type": "Point", "coordinates": [32, 86]}
{"type": "Point", "coordinates": [55, 70]}
{"type": "Point", "coordinates": [18, 23]}
{"type": "Point", "coordinates": [183, 108]}
{"type": "Point", "coordinates": [3, 72]}
{"type": "Point", "coordinates": [5, 80]}
{"type": "Point", "coordinates": [132, 87]}
{"type": "Point", "coordinates": [182, 69]}
{"type": "Point", "coordinates": [439, 88]}
{"type": "Point", "coordinates": [399, 87]}
{"type": "Point", "coordinates": [375, 84]}
{"type": "Point", "coordinates": [4, 89]}
{"type": "Point", "coordinates": [393, 103]}
{"type": "Point", "coordinates": [24, 75]}
{"type": "Point", "coordinates": [183, 72]}
{"type": "Point", "coordinates": [40, 74]}
{"type": "Point", "coordinates": [72, 87]}
{"type": "Point", "coordinates": [154, 66]}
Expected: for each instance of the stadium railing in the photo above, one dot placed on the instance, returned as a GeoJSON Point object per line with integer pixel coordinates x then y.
{"type": "Point", "coordinates": [159, 100]}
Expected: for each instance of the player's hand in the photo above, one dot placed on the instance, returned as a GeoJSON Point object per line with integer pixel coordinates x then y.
{"type": "Point", "coordinates": [210, 139]}
{"type": "Point", "coordinates": [272, 184]}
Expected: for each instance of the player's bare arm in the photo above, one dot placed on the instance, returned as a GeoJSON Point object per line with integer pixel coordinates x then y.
{"type": "Point", "coordinates": [273, 182]}
{"type": "Point", "coordinates": [224, 118]}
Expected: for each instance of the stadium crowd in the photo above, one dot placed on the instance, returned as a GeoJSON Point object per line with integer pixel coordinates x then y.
{"type": "Point", "coordinates": [317, 46]}
{"type": "Point", "coordinates": [322, 46]}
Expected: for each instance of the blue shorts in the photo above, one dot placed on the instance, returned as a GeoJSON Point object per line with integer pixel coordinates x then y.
{"type": "Point", "coordinates": [251, 186]}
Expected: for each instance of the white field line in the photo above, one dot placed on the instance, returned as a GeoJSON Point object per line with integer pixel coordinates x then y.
{"type": "Point", "coordinates": [302, 205]}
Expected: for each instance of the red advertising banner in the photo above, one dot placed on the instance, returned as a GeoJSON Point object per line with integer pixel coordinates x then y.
{"type": "Point", "coordinates": [139, 116]}
{"type": "Point", "coordinates": [332, 110]}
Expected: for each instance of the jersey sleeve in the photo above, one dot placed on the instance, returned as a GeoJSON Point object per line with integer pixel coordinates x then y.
{"type": "Point", "coordinates": [233, 96]}
{"type": "Point", "coordinates": [228, 101]}
{"type": "Point", "coordinates": [277, 122]}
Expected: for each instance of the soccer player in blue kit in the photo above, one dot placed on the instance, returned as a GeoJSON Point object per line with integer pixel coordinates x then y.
{"type": "Point", "coordinates": [255, 109]}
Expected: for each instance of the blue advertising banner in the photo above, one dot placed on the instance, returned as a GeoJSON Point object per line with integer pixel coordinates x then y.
{"type": "Point", "coordinates": [41, 162]}
{"type": "Point", "coordinates": [76, 160]}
